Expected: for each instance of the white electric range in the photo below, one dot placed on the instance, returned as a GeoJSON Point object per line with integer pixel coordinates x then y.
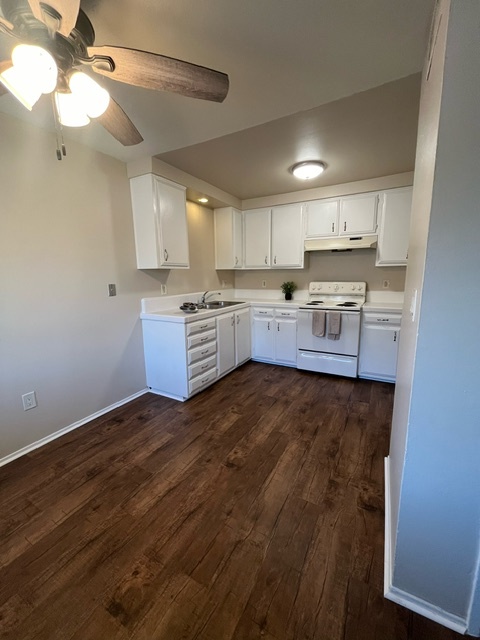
{"type": "Point", "coordinates": [337, 305]}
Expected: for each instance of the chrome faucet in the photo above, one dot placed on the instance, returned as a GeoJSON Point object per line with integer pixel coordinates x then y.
{"type": "Point", "coordinates": [205, 296]}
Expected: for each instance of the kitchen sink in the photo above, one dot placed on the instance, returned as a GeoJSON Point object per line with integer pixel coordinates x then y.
{"type": "Point", "coordinates": [219, 304]}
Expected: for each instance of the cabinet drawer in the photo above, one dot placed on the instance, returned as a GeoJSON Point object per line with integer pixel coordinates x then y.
{"type": "Point", "coordinates": [201, 381]}
{"type": "Point", "coordinates": [201, 367]}
{"type": "Point", "coordinates": [201, 325]}
{"type": "Point", "coordinates": [287, 313]}
{"type": "Point", "coordinates": [386, 319]}
{"type": "Point", "coordinates": [202, 352]}
{"type": "Point", "coordinates": [263, 313]}
{"type": "Point", "coordinates": [201, 338]}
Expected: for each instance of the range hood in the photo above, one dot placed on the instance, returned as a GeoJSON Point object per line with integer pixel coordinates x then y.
{"type": "Point", "coordinates": [341, 244]}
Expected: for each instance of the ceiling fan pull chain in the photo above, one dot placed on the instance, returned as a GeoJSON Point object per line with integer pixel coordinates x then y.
{"type": "Point", "coordinates": [58, 130]}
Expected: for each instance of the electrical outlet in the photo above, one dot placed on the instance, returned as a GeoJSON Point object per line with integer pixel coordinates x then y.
{"type": "Point", "coordinates": [29, 400]}
{"type": "Point", "coordinates": [163, 289]}
{"type": "Point", "coordinates": [386, 284]}
{"type": "Point", "coordinates": [264, 284]}
{"type": "Point", "coordinates": [112, 290]}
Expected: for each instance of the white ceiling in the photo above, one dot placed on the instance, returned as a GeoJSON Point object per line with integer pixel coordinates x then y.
{"type": "Point", "coordinates": [282, 57]}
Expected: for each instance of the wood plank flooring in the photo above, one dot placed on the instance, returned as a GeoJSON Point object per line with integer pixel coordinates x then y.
{"type": "Point", "coordinates": [254, 510]}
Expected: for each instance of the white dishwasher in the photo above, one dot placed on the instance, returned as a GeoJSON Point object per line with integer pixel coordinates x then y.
{"type": "Point", "coordinates": [379, 339]}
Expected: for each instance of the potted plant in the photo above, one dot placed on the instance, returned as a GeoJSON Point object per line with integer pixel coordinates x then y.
{"type": "Point", "coordinates": [288, 288]}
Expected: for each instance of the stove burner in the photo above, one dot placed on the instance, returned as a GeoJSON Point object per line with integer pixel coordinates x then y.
{"type": "Point", "coordinates": [347, 304]}
{"type": "Point", "coordinates": [315, 302]}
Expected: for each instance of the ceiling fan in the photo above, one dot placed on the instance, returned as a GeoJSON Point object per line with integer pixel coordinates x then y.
{"type": "Point", "coordinates": [55, 45]}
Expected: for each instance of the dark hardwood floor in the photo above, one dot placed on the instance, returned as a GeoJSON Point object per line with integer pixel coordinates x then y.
{"type": "Point", "coordinates": [254, 510]}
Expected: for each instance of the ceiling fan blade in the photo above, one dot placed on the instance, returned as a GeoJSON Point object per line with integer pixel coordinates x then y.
{"type": "Point", "coordinates": [119, 125]}
{"type": "Point", "coordinates": [8, 26]}
{"type": "Point", "coordinates": [64, 11]}
{"type": "Point", "coordinates": [154, 71]}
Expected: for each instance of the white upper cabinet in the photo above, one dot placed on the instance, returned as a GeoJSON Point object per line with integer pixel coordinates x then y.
{"type": "Point", "coordinates": [322, 218]}
{"type": "Point", "coordinates": [257, 238]}
{"type": "Point", "coordinates": [228, 238]}
{"type": "Point", "coordinates": [358, 214]}
{"type": "Point", "coordinates": [394, 227]}
{"type": "Point", "coordinates": [160, 223]}
{"type": "Point", "coordinates": [287, 236]}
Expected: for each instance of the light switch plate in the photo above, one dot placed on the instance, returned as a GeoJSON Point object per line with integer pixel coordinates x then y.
{"type": "Point", "coordinates": [112, 290]}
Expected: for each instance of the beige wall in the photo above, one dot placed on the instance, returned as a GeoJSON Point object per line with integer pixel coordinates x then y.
{"type": "Point", "coordinates": [66, 232]}
{"type": "Point", "coordinates": [358, 265]}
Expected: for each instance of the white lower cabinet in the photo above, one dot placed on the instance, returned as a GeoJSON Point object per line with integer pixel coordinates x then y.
{"type": "Point", "coordinates": [233, 340]}
{"type": "Point", "coordinates": [275, 335]}
{"type": "Point", "coordinates": [379, 338]}
{"type": "Point", "coordinates": [180, 359]}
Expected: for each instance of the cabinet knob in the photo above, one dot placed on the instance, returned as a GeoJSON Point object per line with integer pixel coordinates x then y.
{"type": "Point", "coordinates": [165, 253]}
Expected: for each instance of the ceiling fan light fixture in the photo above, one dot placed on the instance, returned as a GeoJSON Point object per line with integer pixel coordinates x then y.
{"type": "Point", "coordinates": [19, 85]}
{"type": "Point", "coordinates": [38, 64]}
{"type": "Point", "coordinates": [94, 98]}
{"type": "Point", "coordinates": [34, 72]}
{"type": "Point", "coordinates": [71, 112]}
{"type": "Point", "coordinates": [308, 170]}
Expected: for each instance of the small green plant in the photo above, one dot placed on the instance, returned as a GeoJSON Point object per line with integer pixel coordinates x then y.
{"type": "Point", "coordinates": [288, 287]}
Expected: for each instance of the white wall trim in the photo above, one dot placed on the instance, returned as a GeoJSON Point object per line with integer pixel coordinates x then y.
{"type": "Point", "coordinates": [57, 434]}
{"type": "Point", "coordinates": [426, 609]}
{"type": "Point", "coordinates": [402, 597]}
{"type": "Point", "coordinates": [388, 559]}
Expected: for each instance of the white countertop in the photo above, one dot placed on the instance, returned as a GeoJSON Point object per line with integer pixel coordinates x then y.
{"type": "Point", "coordinates": [378, 307]}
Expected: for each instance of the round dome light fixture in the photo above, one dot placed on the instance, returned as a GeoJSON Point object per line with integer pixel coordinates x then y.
{"type": "Point", "coordinates": [308, 170]}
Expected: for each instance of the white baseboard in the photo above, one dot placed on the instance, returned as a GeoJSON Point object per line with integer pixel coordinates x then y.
{"type": "Point", "coordinates": [404, 598]}
{"type": "Point", "coordinates": [57, 434]}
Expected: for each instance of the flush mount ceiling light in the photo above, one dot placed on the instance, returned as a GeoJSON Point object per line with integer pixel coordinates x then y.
{"type": "Point", "coordinates": [308, 170]}
{"type": "Point", "coordinates": [203, 200]}
{"type": "Point", "coordinates": [64, 43]}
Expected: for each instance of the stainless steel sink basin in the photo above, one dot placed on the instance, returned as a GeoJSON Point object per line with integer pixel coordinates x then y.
{"type": "Point", "coordinates": [219, 304]}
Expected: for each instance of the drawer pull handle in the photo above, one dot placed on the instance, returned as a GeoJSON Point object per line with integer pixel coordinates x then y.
{"type": "Point", "coordinates": [203, 326]}
{"type": "Point", "coordinates": [333, 227]}
{"type": "Point", "coordinates": [266, 261]}
{"type": "Point", "coordinates": [383, 319]}
{"type": "Point", "coordinates": [205, 380]}
{"type": "Point", "coordinates": [278, 327]}
{"type": "Point", "coordinates": [204, 352]}
{"type": "Point", "coordinates": [203, 339]}
{"type": "Point", "coordinates": [205, 366]}
{"type": "Point", "coordinates": [395, 336]}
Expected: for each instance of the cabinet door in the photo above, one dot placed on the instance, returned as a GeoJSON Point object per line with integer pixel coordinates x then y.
{"type": "Point", "coordinates": [257, 238]}
{"type": "Point", "coordinates": [358, 214]}
{"type": "Point", "coordinates": [243, 340]}
{"type": "Point", "coordinates": [237, 239]}
{"type": "Point", "coordinates": [322, 218]}
{"type": "Point", "coordinates": [263, 339]}
{"type": "Point", "coordinates": [286, 341]}
{"type": "Point", "coordinates": [228, 226]}
{"type": "Point", "coordinates": [225, 343]}
{"type": "Point", "coordinates": [378, 352]}
{"type": "Point", "coordinates": [172, 228]}
{"type": "Point", "coordinates": [287, 236]}
{"type": "Point", "coordinates": [394, 227]}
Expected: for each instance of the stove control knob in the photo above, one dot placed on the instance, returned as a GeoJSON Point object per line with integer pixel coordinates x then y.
{"type": "Point", "coordinates": [319, 287]}
{"type": "Point", "coordinates": [353, 287]}
{"type": "Point", "coordinates": [336, 287]}
{"type": "Point", "coordinates": [313, 287]}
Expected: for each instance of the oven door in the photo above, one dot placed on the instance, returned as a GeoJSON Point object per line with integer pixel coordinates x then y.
{"type": "Point", "coordinates": [347, 344]}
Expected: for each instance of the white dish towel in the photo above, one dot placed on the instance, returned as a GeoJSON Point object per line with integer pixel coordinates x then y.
{"type": "Point", "coordinates": [334, 325]}
{"type": "Point", "coordinates": [318, 323]}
